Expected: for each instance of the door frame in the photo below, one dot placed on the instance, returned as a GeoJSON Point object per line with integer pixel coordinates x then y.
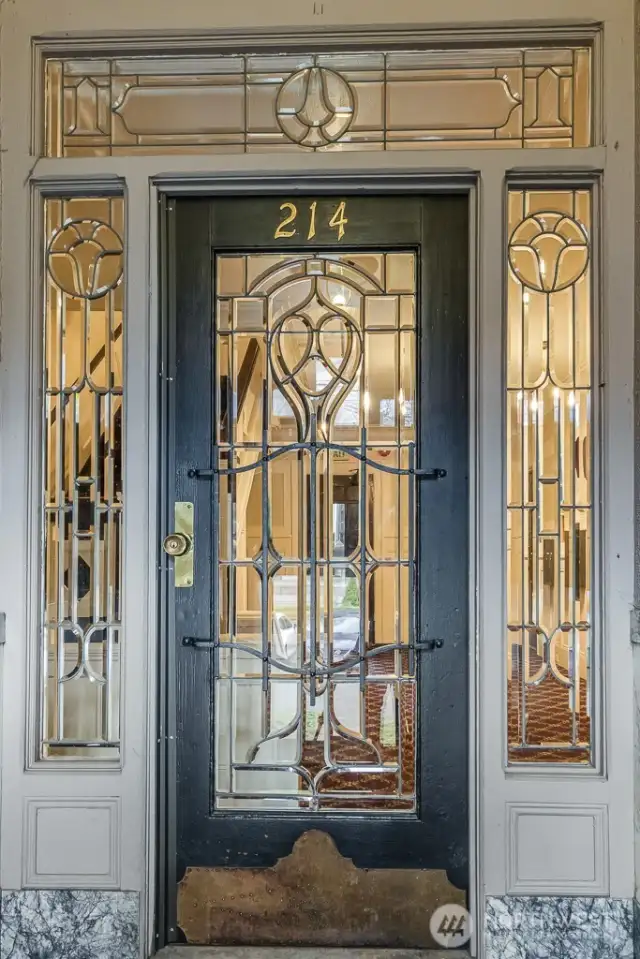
{"type": "Point", "coordinates": [132, 784]}
{"type": "Point", "coordinates": [206, 187]}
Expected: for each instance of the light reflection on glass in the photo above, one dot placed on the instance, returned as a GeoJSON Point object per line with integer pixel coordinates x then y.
{"type": "Point", "coordinates": [321, 548]}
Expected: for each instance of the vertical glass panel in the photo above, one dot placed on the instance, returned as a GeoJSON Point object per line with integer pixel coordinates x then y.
{"type": "Point", "coordinates": [549, 475]}
{"type": "Point", "coordinates": [344, 506]}
{"type": "Point", "coordinates": [82, 481]}
{"type": "Point", "coordinates": [288, 504]}
{"type": "Point", "coordinates": [315, 693]}
{"type": "Point", "coordinates": [381, 386]}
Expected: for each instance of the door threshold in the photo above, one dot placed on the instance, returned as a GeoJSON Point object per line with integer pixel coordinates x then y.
{"type": "Point", "coordinates": [307, 952]}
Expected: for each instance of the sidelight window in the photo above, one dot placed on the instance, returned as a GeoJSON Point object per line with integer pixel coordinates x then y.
{"type": "Point", "coordinates": [550, 477]}
{"type": "Point", "coordinates": [82, 477]}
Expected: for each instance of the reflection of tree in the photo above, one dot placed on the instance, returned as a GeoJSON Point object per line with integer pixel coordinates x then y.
{"type": "Point", "coordinates": [351, 598]}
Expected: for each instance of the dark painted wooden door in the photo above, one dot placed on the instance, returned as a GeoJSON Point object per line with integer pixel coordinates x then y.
{"type": "Point", "coordinates": [318, 417]}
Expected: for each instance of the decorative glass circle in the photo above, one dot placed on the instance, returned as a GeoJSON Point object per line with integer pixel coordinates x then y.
{"type": "Point", "coordinates": [85, 258]}
{"type": "Point", "coordinates": [315, 106]}
{"type": "Point", "coordinates": [549, 251]}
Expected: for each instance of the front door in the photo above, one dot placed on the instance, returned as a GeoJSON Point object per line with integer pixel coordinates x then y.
{"type": "Point", "coordinates": [317, 443]}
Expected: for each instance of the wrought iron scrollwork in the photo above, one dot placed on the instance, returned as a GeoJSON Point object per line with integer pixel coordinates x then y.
{"type": "Point", "coordinates": [426, 474]}
{"type": "Point", "coordinates": [316, 343]}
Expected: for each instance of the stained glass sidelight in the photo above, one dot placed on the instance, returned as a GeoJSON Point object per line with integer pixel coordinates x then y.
{"type": "Point", "coordinates": [358, 100]}
{"type": "Point", "coordinates": [550, 589]}
{"type": "Point", "coordinates": [316, 392]}
{"type": "Point", "coordinates": [82, 476]}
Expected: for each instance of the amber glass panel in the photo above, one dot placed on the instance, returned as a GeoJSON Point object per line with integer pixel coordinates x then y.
{"type": "Point", "coordinates": [316, 384]}
{"type": "Point", "coordinates": [351, 101]}
{"type": "Point", "coordinates": [82, 563]}
{"type": "Point", "coordinates": [549, 477]}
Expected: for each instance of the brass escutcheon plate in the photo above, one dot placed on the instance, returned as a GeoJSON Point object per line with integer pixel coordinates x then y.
{"type": "Point", "coordinates": [183, 564]}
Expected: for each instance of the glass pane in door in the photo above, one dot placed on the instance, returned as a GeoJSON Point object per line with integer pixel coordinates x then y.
{"type": "Point", "coordinates": [315, 447]}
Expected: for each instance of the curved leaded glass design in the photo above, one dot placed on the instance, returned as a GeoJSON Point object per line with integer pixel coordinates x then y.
{"type": "Point", "coordinates": [83, 334]}
{"type": "Point", "coordinates": [549, 476]}
{"type": "Point", "coordinates": [316, 381]}
{"type": "Point", "coordinates": [349, 100]}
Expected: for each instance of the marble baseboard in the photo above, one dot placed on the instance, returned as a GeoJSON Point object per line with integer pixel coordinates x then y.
{"type": "Point", "coordinates": [65, 924]}
{"type": "Point", "coordinates": [87, 924]}
{"type": "Point", "coordinates": [558, 927]}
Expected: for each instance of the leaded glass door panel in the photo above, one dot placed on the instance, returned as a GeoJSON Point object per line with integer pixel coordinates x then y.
{"type": "Point", "coordinates": [318, 439]}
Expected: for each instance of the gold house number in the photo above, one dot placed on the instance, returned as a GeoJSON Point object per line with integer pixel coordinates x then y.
{"type": "Point", "coordinates": [290, 211]}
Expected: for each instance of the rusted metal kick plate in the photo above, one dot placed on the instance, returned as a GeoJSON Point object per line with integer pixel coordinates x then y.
{"type": "Point", "coordinates": [313, 897]}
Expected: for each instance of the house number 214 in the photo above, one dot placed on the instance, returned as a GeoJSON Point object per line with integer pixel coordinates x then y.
{"type": "Point", "coordinates": [287, 228]}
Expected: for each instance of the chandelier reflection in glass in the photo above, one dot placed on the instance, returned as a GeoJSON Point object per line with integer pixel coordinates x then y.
{"type": "Point", "coordinates": [315, 672]}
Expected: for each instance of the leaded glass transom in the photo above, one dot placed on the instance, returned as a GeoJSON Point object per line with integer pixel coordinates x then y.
{"type": "Point", "coordinates": [352, 100]}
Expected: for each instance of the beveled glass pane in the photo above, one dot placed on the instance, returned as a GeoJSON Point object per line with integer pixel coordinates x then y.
{"type": "Point", "coordinates": [248, 357]}
{"type": "Point", "coordinates": [288, 492]}
{"type": "Point", "coordinates": [549, 475]}
{"type": "Point", "coordinates": [224, 389]}
{"type": "Point", "coordinates": [382, 606]}
{"type": "Point", "coordinates": [246, 600]}
{"type": "Point", "coordinates": [407, 312]}
{"type": "Point", "coordinates": [318, 540]}
{"type": "Point", "coordinates": [383, 506]}
{"type": "Point", "coordinates": [230, 276]}
{"type": "Point", "coordinates": [381, 386]}
{"type": "Point", "coordinates": [287, 611]}
{"type": "Point", "coordinates": [407, 388]}
{"type": "Point", "coordinates": [248, 314]}
{"type": "Point", "coordinates": [400, 272]}
{"type": "Point", "coordinates": [82, 422]}
{"type": "Point", "coordinates": [381, 312]}
{"type": "Point", "coordinates": [343, 506]}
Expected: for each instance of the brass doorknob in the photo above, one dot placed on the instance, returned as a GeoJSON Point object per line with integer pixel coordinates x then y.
{"type": "Point", "coordinates": [176, 544]}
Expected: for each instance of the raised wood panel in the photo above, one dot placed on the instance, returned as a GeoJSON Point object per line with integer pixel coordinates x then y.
{"type": "Point", "coordinates": [71, 843]}
{"type": "Point", "coordinates": [557, 850]}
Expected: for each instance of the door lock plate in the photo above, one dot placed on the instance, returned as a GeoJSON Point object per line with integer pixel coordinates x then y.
{"type": "Point", "coordinates": [174, 542]}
